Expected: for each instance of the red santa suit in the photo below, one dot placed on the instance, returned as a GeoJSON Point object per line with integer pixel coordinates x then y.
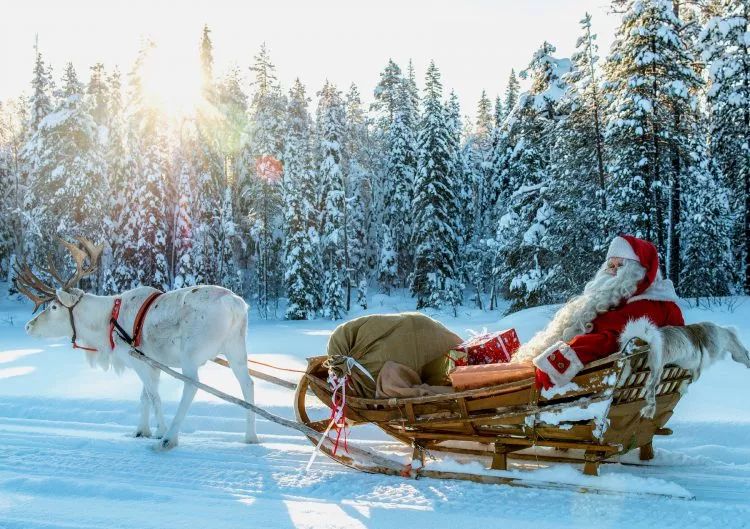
{"type": "Point", "coordinates": [654, 299]}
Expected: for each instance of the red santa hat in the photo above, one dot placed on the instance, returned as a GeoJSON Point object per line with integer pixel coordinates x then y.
{"type": "Point", "coordinates": [629, 247]}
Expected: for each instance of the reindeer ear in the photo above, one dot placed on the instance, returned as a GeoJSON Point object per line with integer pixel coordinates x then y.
{"type": "Point", "coordinates": [69, 297]}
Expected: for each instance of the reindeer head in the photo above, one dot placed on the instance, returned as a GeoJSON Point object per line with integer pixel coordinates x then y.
{"type": "Point", "coordinates": [54, 320]}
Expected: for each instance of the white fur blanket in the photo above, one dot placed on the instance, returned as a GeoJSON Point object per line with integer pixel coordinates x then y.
{"type": "Point", "coordinates": [693, 347]}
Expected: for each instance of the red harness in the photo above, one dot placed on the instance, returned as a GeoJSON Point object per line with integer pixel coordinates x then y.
{"type": "Point", "coordinates": [137, 324]}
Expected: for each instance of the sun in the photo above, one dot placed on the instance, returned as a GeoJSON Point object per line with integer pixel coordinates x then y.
{"type": "Point", "coordinates": [171, 81]}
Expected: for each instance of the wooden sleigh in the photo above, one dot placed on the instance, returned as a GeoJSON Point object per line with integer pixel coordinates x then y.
{"type": "Point", "coordinates": [590, 421]}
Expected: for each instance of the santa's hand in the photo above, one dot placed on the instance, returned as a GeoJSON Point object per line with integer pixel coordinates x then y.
{"type": "Point", "coordinates": [542, 380]}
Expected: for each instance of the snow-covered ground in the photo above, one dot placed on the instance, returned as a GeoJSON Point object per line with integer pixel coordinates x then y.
{"type": "Point", "coordinates": [66, 458]}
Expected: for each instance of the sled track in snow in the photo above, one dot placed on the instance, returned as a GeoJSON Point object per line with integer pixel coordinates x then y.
{"type": "Point", "coordinates": [64, 468]}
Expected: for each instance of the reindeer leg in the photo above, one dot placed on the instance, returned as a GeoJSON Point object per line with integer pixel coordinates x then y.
{"type": "Point", "coordinates": [169, 441]}
{"type": "Point", "coordinates": [237, 357]}
{"type": "Point", "coordinates": [144, 430]}
{"type": "Point", "coordinates": [153, 390]}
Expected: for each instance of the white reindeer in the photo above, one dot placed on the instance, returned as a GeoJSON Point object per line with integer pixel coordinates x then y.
{"type": "Point", "coordinates": [183, 328]}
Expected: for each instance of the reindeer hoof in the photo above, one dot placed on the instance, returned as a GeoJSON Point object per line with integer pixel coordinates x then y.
{"type": "Point", "coordinates": [142, 433]}
{"type": "Point", "coordinates": [251, 439]}
{"type": "Point", "coordinates": [165, 444]}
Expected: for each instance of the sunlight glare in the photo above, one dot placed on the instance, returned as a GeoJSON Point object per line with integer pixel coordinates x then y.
{"type": "Point", "coordinates": [171, 81]}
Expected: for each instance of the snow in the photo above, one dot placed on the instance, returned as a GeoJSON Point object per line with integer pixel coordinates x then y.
{"type": "Point", "coordinates": [66, 458]}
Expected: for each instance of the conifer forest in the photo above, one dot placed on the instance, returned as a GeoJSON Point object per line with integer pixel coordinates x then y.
{"type": "Point", "coordinates": [307, 201]}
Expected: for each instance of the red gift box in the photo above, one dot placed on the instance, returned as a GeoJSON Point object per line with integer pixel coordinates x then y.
{"type": "Point", "coordinates": [490, 348]}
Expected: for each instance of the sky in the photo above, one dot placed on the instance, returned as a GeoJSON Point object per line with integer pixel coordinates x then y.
{"type": "Point", "coordinates": [474, 43]}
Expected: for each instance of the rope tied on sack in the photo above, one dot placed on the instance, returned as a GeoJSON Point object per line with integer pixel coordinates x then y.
{"type": "Point", "coordinates": [341, 369]}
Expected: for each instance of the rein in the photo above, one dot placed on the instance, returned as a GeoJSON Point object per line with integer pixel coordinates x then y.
{"type": "Point", "coordinates": [73, 325]}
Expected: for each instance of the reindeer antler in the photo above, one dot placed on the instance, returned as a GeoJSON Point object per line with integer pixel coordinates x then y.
{"type": "Point", "coordinates": [90, 251]}
{"type": "Point", "coordinates": [31, 286]}
{"type": "Point", "coordinates": [40, 292]}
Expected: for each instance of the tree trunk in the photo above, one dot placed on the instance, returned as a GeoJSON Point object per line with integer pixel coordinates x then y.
{"type": "Point", "coordinates": [675, 192]}
{"type": "Point", "coordinates": [675, 209]}
{"type": "Point", "coordinates": [656, 195]}
{"type": "Point", "coordinates": [744, 165]}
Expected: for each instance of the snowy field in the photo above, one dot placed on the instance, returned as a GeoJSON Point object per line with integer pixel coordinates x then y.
{"type": "Point", "coordinates": [66, 458]}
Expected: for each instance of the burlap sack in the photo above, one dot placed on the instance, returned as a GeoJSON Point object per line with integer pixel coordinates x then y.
{"type": "Point", "coordinates": [410, 338]}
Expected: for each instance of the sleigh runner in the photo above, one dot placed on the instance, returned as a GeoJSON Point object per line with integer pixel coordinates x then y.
{"type": "Point", "coordinates": [599, 413]}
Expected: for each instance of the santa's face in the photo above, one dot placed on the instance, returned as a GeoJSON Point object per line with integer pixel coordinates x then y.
{"type": "Point", "coordinates": [613, 265]}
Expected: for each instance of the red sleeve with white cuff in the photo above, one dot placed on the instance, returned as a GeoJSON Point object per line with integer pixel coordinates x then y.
{"type": "Point", "coordinates": [562, 361]}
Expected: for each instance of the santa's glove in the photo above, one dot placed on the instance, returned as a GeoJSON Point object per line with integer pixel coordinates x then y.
{"type": "Point", "coordinates": [542, 380]}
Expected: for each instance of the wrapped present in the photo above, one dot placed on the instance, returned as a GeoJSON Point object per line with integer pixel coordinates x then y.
{"type": "Point", "coordinates": [481, 376]}
{"type": "Point", "coordinates": [489, 348]}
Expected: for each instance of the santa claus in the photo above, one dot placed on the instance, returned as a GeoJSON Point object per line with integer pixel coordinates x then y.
{"type": "Point", "coordinates": [627, 287]}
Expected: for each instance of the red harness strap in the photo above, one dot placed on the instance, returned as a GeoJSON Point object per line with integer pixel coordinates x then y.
{"type": "Point", "coordinates": [112, 320]}
{"type": "Point", "coordinates": [138, 324]}
{"type": "Point", "coordinates": [76, 346]}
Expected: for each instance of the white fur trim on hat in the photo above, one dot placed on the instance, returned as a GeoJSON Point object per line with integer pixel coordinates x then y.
{"type": "Point", "coordinates": [619, 247]}
{"type": "Point", "coordinates": [560, 362]}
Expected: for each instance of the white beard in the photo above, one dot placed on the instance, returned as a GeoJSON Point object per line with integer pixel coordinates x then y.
{"type": "Point", "coordinates": [601, 294]}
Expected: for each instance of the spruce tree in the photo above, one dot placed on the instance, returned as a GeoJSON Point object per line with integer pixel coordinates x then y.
{"type": "Point", "coordinates": [66, 173]}
{"type": "Point", "coordinates": [397, 187]}
{"type": "Point", "coordinates": [523, 245]}
{"type": "Point", "coordinates": [98, 94]}
{"type": "Point", "coordinates": [512, 91]}
{"type": "Point", "coordinates": [651, 83]}
{"type": "Point", "coordinates": [331, 133]}
{"type": "Point", "coordinates": [434, 280]}
{"type": "Point", "coordinates": [577, 188]}
{"type": "Point", "coordinates": [259, 178]}
{"type": "Point", "coordinates": [723, 43]}
{"type": "Point", "coordinates": [302, 266]}
{"type": "Point", "coordinates": [358, 199]}
{"type": "Point", "coordinates": [706, 227]}
{"type": "Point", "coordinates": [184, 260]}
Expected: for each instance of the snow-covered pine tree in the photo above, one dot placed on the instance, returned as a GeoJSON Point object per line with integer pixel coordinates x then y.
{"type": "Point", "coordinates": [461, 175]}
{"type": "Point", "coordinates": [66, 173]}
{"type": "Point", "coordinates": [227, 272]}
{"type": "Point", "coordinates": [528, 263]}
{"type": "Point", "coordinates": [13, 123]}
{"type": "Point", "coordinates": [331, 132]}
{"type": "Point", "coordinates": [40, 106]}
{"type": "Point", "coordinates": [577, 188]}
{"type": "Point", "coordinates": [485, 118]}
{"type": "Point", "coordinates": [397, 188]}
{"type": "Point", "coordinates": [359, 197]}
{"type": "Point", "coordinates": [387, 262]}
{"type": "Point", "coordinates": [512, 91]}
{"type": "Point", "coordinates": [259, 177]}
{"type": "Point", "coordinates": [706, 227]}
{"type": "Point", "coordinates": [120, 171]}
{"type": "Point", "coordinates": [98, 92]}
{"type": "Point", "coordinates": [232, 105]}
{"type": "Point", "coordinates": [387, 95]}
{"type": "Point", "coordinates": [302, 265]}
{"type": "Point", "coordinates": [435, 277]}
{"type": "Point", "coordinates": [184, 260]}
{"type": "Point", "coordinates": [42, 88]}
{"type": "Point", "coordinates": [151, 214]}
{"type": "Point", "coordinates": [651, 83]}
{"type": "Point", "coordinates": [476, 197]}
{"type": "Point", "coordinates": [724, 48]}
{"type": "Point", "coordinates": [140, 130]}
{"type": "Point", "coordinates": [208, 86]}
